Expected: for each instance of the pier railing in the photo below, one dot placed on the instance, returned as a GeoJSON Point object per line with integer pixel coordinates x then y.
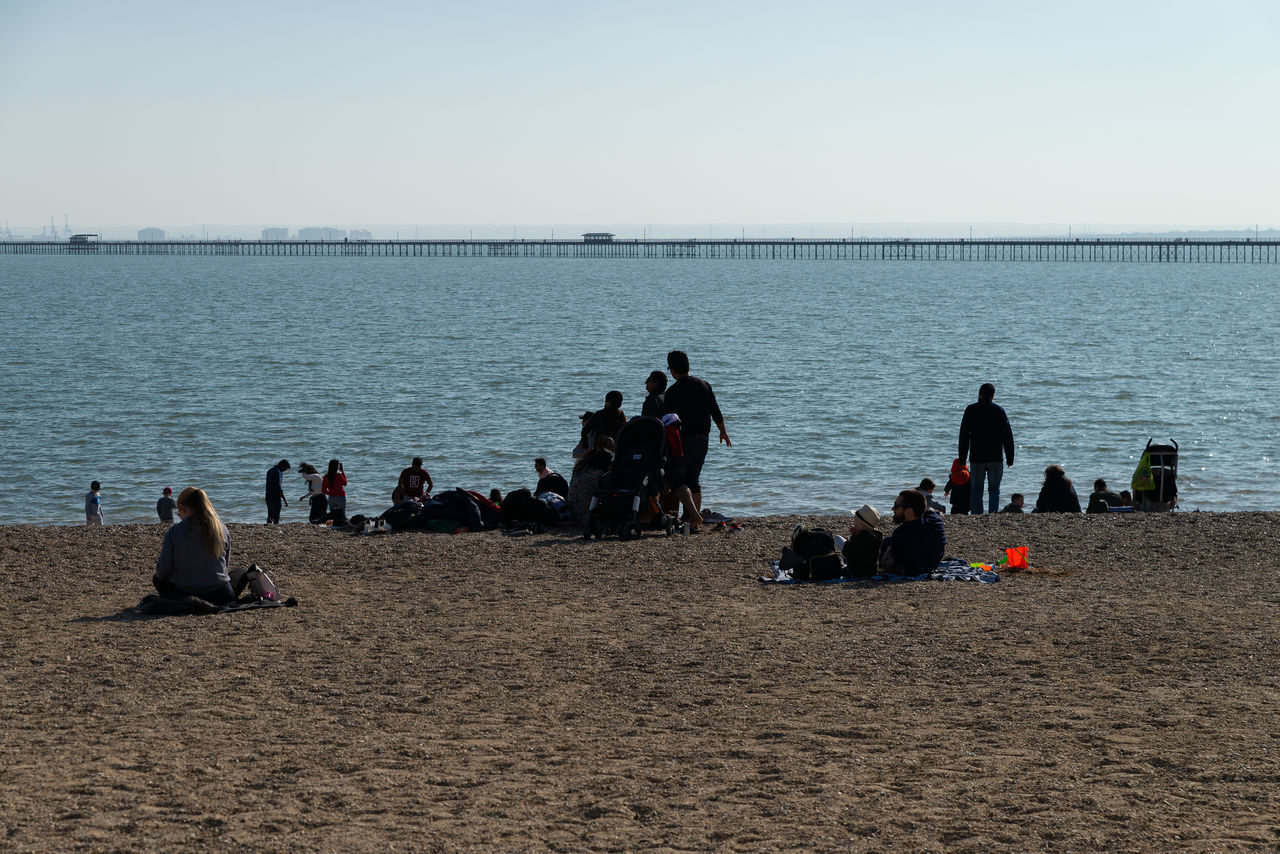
{"type": "Point", "coordinates": [1238, 251]}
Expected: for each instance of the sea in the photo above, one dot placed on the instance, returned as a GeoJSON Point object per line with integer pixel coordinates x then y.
{"type": "Point", "coordinates": [841, 382]}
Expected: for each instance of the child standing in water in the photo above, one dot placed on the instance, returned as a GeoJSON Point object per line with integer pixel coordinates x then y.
{"type": "Point", "coordinates": [164, 507]}
{"type": "Point", "coordinates": [93, 505]}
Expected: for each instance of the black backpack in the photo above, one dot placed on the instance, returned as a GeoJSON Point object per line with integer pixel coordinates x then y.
{"type": "Point", "coordinates": [815, 548]}
{"type": "Point", "coordinates": [812, 542]}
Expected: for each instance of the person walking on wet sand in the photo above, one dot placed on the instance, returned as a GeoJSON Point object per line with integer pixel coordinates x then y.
{"type": "Point", "coordinates": [984, 435]}
{"type": "Point", "coordinates": [694, 401]}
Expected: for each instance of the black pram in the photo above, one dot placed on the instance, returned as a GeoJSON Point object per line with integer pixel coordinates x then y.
{"type": "Point", "coordinates": [633, 481]}
{"type": "Point", "coordinates": [1155, 483]}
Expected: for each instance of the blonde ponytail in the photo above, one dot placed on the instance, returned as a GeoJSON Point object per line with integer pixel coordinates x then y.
{"type": "Point", "coordinates": [201, 509]}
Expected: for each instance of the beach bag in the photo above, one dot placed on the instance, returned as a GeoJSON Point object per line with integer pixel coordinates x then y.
{"type": "Point", "coordinates": [812, 542]}
{"type": "Point", "coordinates": [261, 584]}
{"type": "Point", "coordinates": [812, 555]}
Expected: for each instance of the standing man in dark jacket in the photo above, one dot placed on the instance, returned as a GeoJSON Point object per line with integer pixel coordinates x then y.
{"type": "Point", "coordinates": [275, 492]}
{"type": "Point", "coordinates": [984, 434]}
{"type": "Point", "coordinates": [694, 401]}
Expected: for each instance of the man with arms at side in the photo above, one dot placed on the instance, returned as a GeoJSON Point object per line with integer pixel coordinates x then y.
{"type": "Point", "coordinates": [917, 545]}
{"type": "Point", "coordinates": [694, 401]}
{"type": "Point", "coordinates": [985, 434]}
{"type": "Point", "coordinates": [275, 492]}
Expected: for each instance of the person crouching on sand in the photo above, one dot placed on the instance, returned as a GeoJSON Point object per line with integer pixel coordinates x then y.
{"type": "Point", "coordinates": [193, 558]}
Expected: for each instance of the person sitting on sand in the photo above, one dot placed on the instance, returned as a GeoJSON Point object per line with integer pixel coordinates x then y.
{"type": "Point", "coordinates": [193, 558]}
{"type": "Point", "coordinates": [916, 546]}
{"type": "Point", "coordinates": [415, 482]}
{"type": "Point", "coordinates": [549, 480]}
{"type": "Point", "coordinates": [587, 472]}
{"type": "Point", "coordinates": [1015, 504]}
{"type": "Point", "coordinates": [1101, 500]}
{"type": "Point", "coordinates": [927, 486]}
{"type": "Point", "coordinates": [862, 550]}
{"type": "Point", "coordinates": [1058, 493]}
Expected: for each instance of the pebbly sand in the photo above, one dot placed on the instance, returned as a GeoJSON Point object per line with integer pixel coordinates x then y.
{"type": "Point", "coordinates": [479, 692]}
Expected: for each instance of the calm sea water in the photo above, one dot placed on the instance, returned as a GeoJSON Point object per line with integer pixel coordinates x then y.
{"type": "Point", "coordinates": [841, 382]}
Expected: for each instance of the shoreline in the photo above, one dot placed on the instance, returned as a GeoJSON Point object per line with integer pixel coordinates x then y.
{"type": "Point", "coordinates": [479, 691]}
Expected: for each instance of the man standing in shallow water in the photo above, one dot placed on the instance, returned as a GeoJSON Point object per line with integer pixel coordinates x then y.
{"type": "Point", "coordinates": [694, 401]}
{"type": "Point", "coordinates": [984, 434]}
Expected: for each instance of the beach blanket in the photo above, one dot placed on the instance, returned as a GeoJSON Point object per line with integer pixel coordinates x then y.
{"type": "Point", "coordinates": [950, 569]}
{"type": "Point", "coordinates": [157, 605]}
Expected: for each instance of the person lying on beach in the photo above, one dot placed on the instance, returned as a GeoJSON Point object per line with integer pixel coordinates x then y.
{"type": "Point", "coordinates": [918, 543]}
{"type": "Point", "coordinates": [193, 558]}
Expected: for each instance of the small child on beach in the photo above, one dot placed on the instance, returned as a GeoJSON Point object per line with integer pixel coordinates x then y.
{"type": "Point", "coordinates": [93, 505]}
{"type": "Point", "coordinates": [165, 506]}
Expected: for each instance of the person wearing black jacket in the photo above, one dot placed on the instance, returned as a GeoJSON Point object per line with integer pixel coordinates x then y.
{"type": "Point", "coordinates": [984, 434]}
{"type": "Point", "coordinates": [694, 401]}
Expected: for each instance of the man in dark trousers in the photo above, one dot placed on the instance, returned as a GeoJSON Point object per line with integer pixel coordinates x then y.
{"type": "Point", "coordinates": [693, 400]}
{"type": "Point", "coordinates": [984, 434]}
{"type": "Point", "coordinates": [275, 492]}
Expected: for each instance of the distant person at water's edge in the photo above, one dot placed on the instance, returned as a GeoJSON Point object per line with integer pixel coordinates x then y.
{"type": "Point", "coordinates": [334, 487]}
{"type": "Point", "coordinates": [165, 506]}
{"type": "Point", "coordinates": [415, 482]}
{"type": "Point", "coordinates": [984, 434]}
{"type": "Point", "coordinates": [1101, 500]}
{"type": "Point", "coordinates": [958, 489]}
{"type": "Point", "coordinates": [549, 480]}
{"type": "Point", "coordinates": [319, 505]}
{"type": "Point", "coordinates": [1058, 493]}
{"type": "Point", "coordinates": [93, 505]}
{"type": "Point", "coordinates": [695, 402]}
{"type": "Point", "coordinates": [1015, 504]}
{"type": "Point", "coordinates": [275, 492]}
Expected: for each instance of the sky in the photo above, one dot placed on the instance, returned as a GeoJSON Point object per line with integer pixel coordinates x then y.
{"type": "Point", "coordinates": [528, 116]}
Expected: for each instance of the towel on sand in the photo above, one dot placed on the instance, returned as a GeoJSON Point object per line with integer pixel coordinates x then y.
{"type": "Point", "coordinates": [950, 569]}
{"type": "Point", "coordinates": [157, 605]}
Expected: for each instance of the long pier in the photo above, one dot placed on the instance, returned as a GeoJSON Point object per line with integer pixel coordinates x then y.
{"type": "Point", "coordinates": [1239, 251]}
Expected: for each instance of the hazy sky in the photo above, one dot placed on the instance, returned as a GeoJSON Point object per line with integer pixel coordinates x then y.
{"type": "Point", "coordinates": [316, 113]}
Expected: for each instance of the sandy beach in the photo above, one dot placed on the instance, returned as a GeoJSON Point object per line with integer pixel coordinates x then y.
{"type": "Point", "coordinates": [480, 692]}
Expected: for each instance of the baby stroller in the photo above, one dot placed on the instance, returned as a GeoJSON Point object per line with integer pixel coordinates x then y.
{"type": "Point", "coordinates": [1155, 482]}
{"type": "Point", "coordinates": [633, 482]}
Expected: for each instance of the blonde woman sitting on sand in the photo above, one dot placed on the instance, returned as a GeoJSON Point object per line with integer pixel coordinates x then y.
{"type": "Point", "coordinates": [193, 558]}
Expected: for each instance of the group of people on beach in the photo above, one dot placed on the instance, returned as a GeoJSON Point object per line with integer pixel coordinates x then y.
{"type": "Point", "coordinates": [985, 449]}
{"type": "Point", "coordinates": [195, 552]}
